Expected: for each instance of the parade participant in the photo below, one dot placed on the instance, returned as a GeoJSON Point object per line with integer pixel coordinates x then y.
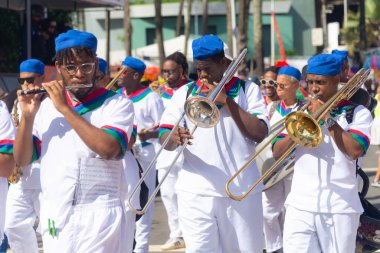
{"type": "Point", "coordinates": [148, 109]}
{"type": "Point", "coordinates": [23, 205]}
{"type": "Point", "coordinates": [268, 85]}
{"type": "Point", "coordinates": [80, 133]}
{"type": "Point", "coordinates": [174, 71]}
{"type": "Point", "coordinates": [323, 206]}
{"type": "Point", "coordinates": [343, 55]}
{"type": "Point", "coordinates": [274, 198]}
{"type": "Point", "coordinates": [7, 163]}
{"type": "Point", "coordinates": [102, 77]}
{"type": "Point", "coordinates": [210, 221]}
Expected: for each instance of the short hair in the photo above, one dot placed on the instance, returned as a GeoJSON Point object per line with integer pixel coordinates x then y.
{"type": "Point", "coordinates": [69, 54]}
{"type": "Point", "coordinates": [180, 59]}
{"type": "Point", "coordinates": [273, 69]}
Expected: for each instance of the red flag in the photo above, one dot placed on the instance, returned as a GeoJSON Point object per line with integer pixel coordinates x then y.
{"type": "Point", "coordinates": [280, 45]}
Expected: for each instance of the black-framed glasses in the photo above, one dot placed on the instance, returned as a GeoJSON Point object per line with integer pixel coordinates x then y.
{"type": "Point", "coordinates": [85, 68]}
{"type": "Point", "coordinates": [317, 82]}
{"type": "Point", "coordinates": [271, 83]}
{"type": "Point", "coordinates": [168, 71]}
{"type": "Point", "coordinates": [26, 79]}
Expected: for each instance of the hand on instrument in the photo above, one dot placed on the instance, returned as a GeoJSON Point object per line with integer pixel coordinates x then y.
{"type": "Point", "coordinates": [315, 104]}
{"type": "Point", "coordinates": [221, 98]}
{"type": "Point", "coordinates": [56, 92]}
{"type": "Point", "coordinates": [180, 135]}
{"type": "Point", "coordinates": [154, 85]}
{"type": "Point", "coordinates": [146, 133]}
{"type": "Point", "coordinates": [29, 104]}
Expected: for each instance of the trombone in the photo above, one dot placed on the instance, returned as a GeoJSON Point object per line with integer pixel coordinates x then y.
{"type": "Point", "coordinates": [202, 112]}
{"type": "Point", "coordinates": [303, 129]}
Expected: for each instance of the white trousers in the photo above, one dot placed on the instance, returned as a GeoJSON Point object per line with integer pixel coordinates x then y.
{"type": "Point", "coordinates": [95, 228]}
{"type": "Point", "coordinates": [3, 201]}
{"type": "Point", "coordinates": [23, 206]}
{"type": "Point", "coordinates": [130, 218]}
{"type": "Point", "coordinates": [308, 232]}
{"type": "Point", "coordinates": [273, 213]}
{"type": "Point", "coordinates": [143, 225]}
{"type": "Point", "coordinates": [221, 225]}
{"type": "Point", "coordinates": [169, 198]}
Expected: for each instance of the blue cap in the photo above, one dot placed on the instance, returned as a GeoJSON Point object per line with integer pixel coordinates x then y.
{"type": "Point", "coordinates": [207, 46]}
{"type": "Point", "coordinates": [341, 53]}
{"type": "Point", "coordinates": [134, 64]}
{"type": "Point", "coordinates": [102, 66]}
{"type": "Point", "coordinates": [324, 64]}
{"type": "Point", "coordinates": [75, 38]}
{"type": "Point", "coordinates": [290, 71]}
{"type": "Point", "coordinates": [32, 66]}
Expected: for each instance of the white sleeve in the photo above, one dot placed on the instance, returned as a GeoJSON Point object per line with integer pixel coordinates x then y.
{"type": "Point", "coordinates": [7, 130]}
{"type": "Point", "coordinates": [156, 108]}
{"type": "Point", "coordinates": [256, 103]}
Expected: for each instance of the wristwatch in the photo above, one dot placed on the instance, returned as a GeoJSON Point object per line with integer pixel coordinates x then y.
{"type": "Point", "coordinates": [330, 122]}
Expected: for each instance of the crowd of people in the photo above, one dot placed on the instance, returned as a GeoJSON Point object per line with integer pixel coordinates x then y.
{"type": "Point", "coordinates": [76, 147]}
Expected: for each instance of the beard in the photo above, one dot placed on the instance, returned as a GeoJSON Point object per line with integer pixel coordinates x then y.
{"type": "Point", "coordinates": [80, 93]}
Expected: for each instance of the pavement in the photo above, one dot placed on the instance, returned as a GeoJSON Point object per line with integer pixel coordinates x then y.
{"type": "Point", "coordinates": [160, 230]}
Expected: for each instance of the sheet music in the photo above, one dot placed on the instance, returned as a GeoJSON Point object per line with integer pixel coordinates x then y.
{"type": "Point", "coordinates": [98, 180]}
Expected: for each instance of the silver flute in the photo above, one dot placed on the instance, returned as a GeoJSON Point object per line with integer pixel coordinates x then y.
{"type": "Point", "coordinates": [42, 90]}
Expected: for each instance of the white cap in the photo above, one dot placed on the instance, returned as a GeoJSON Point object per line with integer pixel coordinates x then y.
{"type": "Point", "coordinates": [227, 52]}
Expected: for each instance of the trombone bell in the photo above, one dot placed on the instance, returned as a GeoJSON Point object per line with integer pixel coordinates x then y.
{"type": "Point", "coordinates": [202, 112]}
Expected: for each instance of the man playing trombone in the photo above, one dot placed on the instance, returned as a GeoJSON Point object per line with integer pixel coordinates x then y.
{"type": "Point", "coordinates": [210, 221]}
{"type": "Point", "coordinates": [323, 206]}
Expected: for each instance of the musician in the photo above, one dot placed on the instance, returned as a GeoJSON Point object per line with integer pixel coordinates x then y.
{"type": "Point", "coordinates": [102, 76]}
{"type": "Point", "coordinates": [323, 206]}
{"type": "Point", "coordinates": [288, 78]}
{"type": "Point", "coordinates": [210, 221]}
{"type": "Point", "coordinates": [175, 71]}
{"type": "Point", "coordinates": [343, 55]}
{"type": "Point", "coordinates": [7, 163]}
{"type": "Point", "coordinates": [23, 205]}
{"type": "Point", "coordinates": [269, 85]}
{"type": "Point", "coordinates": [80, 135]}
{"type": "Point", "coordinates": [148, 109]}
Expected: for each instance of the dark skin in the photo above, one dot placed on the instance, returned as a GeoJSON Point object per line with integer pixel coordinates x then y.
{"type": "Point", "coordinates": [96, 139]}
{"type": "Point", "coordinates": [270, 91]}
{"type": "Point", "coordinates": [131, 81]}
{"type": "Point", "coordinates": [251, 126]}
{"type": "Point", "coordinates": [324, 87]}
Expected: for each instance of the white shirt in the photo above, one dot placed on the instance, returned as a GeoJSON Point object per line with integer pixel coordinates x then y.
{"type": "Point", "coordinates": [324, 178]}
{"type": "Point", "coordinates": [61, 148]}
{"type": "Point", "coordinates": [218, 152]}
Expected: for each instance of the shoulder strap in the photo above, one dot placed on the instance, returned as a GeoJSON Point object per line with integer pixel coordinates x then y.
{"type": "Point", "coordinates": [190, 89]}
{"type": "Point", "coordinates": [242, 83]}
{"type": "Point", "coordinates": [350, 113]}
{"type": "Point", "coordinates": [273, 108]}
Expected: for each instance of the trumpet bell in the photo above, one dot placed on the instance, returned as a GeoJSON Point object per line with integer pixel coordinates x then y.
{"type": "Point", "coordinates": [202, 112]}
{"type": "Point", "coordinates": [303, 129]}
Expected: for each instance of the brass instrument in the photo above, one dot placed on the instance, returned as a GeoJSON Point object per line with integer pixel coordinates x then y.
{"type": "Point", "coordinates": [156, 86]}
{"type": "Point", "coordinates": [110, 85]}
{"type": "Point", "coordinates": [303, 129]}
{"type": "Point", "coordinates": [201, 111]}
{"type": "Point", "coordinates": [17, 170]}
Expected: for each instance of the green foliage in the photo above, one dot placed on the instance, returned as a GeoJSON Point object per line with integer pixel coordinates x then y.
{"type": "Point", "coordinates": [10, 41]}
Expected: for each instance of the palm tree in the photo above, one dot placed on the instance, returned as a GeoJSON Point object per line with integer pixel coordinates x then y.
{"type": "Point", "coordinates": [179, 18]}
{"type": "Point", "coordinates": [243, 24]}
{"type": "Point", "coordinates": [229, 25]}
{"type": "Point", "coordinates": [159, 35]}
{"type": "Point", "coordinates": [128, 28]}
{"type": "Point", "coordinates": [205, 17]}
{"type": "Point", "coordinates": [187, 25]}
{"type": "Point", "coordinates": [258, 36]}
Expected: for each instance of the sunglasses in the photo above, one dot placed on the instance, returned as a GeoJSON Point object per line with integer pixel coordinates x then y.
{"type": "Point", "coordinates": [168, 71]}
{"type": "Point", "coordinates": [27, 79]}
{"type": "Point", "coordinates": [85, 68]}
{"type": "Point", "coordinates": [270, 83]}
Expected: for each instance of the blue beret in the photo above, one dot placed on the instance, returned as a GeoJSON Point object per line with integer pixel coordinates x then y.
{"type": "Point", "coordinates": [135, 64]}
{"type": "Point", "coordinates": [290, 71]}
{"type": "Point", "coordinates": [32, 66]}
{"type": "Point", "coordinates": [102, 65]}
{"type": "Point", "coordinates": [324, 64]}
{"type": "Point", "coordinates": [75, 38]}
{"type": "Point", "coordinates": [207, 46]}
{"type": "Point", "coordinates": [341, 53]}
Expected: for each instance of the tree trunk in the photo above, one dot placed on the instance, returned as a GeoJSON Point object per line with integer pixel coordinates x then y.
{"type": "Point", "coordinates": [128, 28]}
{"type": "Point", "coordinates": [243, 24]}
{"type": "Point", "coordinates": [187, 25]}
{"type": "Point", "coordinates": [362, 30]}
{"type": "Point", "coordinates": [229, 25]}
{"type": "Point", "coordinates": [159, 35]}
{"type": "Point", "coordinates": [205, 17]}
{"type": "Point", "coordinates": [179, 19]}
{"type": "Point", "coordinates": [258, 36]}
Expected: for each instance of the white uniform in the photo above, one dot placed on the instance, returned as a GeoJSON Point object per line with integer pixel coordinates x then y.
{"type": "Point", "coordinates": [167, 191]}
{"type": "Point", "coordinates": [82, 207]}
{"type": "Point", "coordinates": [323, 207]}
{"type": "Point", "coordinates": [148, 109]}
{"type": "Point", "coordinates": [274, 197]}
{"type": "Point", "coordinates": [211, 222]}
{"type": "Point", "coordinates": [22, 208]}
{"type": "Point", "coordinates": [7, 135]}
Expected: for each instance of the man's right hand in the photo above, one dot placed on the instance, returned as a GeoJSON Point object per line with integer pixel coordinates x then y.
{"type": "Point", "coordinates": [29, 104]}
{"type": "Point", "coordinates": [180, 135]}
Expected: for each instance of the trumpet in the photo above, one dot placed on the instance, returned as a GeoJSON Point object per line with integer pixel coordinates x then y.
{"type": "Point", "coordinates": [203, 113]}
{"type": "Point", "coordinates": [303, 129]}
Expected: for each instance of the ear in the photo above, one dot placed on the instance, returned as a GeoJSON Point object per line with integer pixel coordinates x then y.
{"type": "Point", "coordinates": [58, 67]}
{"type": "Point", "coordinates": [337, 78]}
